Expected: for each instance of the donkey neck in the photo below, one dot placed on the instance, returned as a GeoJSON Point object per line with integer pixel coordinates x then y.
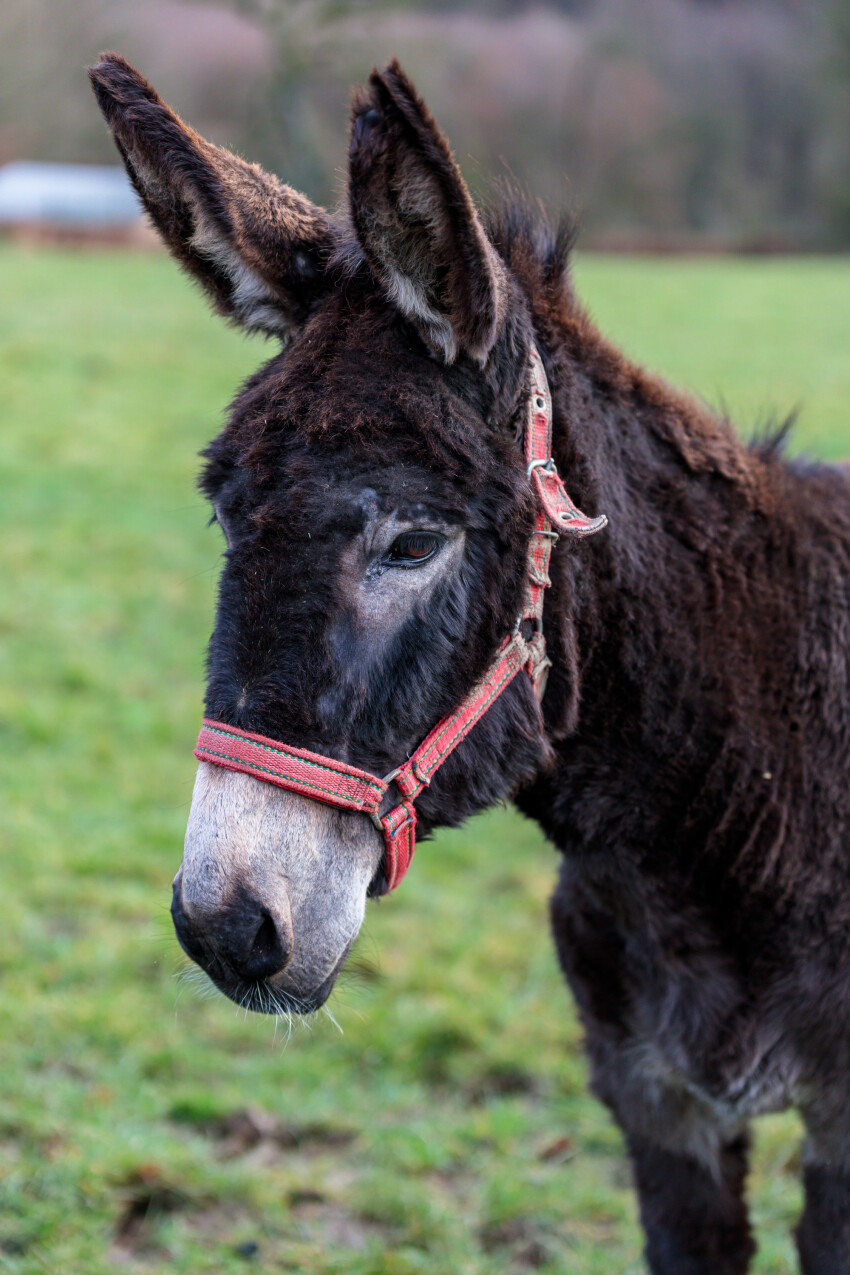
{"type": "Point", "coordinates": [657, 590]}
{"type": "Point", "coordinates": [627, 438]}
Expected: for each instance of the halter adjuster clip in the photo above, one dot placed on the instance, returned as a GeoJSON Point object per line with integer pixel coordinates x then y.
{"type": "Point", "coordinates": [548, 464]}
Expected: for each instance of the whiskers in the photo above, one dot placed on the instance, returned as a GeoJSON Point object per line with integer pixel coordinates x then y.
{"type": "Point", "coordinates": [362, 969]}
{"type": "Point", "coordinates": [329, 1015]}
{"type": "Point", "coordinates": [191, 975]}
{"type": "Point", "coordinates": [287, 1011]}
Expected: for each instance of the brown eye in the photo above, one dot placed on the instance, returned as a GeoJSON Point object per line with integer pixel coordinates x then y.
{"type": "Point", "coordinates": [413, 548]}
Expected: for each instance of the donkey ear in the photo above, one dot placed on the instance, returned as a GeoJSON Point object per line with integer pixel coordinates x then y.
{"type": "Point", "coordinates": [416, 221]}
{"type": "Point", "coordinates": [257, 247]}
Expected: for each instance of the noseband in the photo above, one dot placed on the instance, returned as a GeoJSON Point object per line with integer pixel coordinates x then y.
{"type": "Point", "coordinates": [336, 784]}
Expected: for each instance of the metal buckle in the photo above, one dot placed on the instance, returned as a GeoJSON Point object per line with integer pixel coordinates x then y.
{"type": "Point", "coordinates": [386, 781]}
{"type": "Point", "coordinates": [548, 464]}
{"type": "Point", "coordinates": [414, 770]}
{"type": "Point", "coordinates": [537, 621]}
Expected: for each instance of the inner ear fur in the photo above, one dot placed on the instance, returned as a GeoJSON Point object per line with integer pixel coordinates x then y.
{"type": "Point", "coordinates": [257, 247]}
{"type": "Point", "coordinates": [416, 221]}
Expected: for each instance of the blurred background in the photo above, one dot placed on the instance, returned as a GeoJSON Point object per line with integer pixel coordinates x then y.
{"type": "Point", "coordinates": [668, 123]}
{"type": "Point", "coordinates": [439, 1120]}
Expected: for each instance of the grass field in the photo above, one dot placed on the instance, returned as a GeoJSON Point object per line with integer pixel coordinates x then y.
{"type": "Point", "coordinates": [447, 1128]}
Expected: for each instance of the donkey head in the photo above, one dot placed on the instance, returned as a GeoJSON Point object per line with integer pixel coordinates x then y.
{"type": "Point", "coordinates": [374, 504]}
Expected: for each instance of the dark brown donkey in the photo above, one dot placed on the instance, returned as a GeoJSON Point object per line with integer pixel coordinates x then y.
{"type": "Point", "coordinates": [691, 757]}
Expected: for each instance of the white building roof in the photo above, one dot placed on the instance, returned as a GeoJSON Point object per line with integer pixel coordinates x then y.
{"type": "Point", "coordinates": [67, 194]}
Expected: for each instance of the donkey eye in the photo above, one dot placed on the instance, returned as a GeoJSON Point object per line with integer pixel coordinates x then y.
{"type": "Point", "coordinates": [413, 548]}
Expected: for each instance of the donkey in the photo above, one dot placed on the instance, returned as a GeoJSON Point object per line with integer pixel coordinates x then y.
{"type": "Point", "coordinates": [690, 752]}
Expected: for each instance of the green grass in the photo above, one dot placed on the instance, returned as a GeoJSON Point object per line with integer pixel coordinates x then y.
{"type": "Point", "coordinates": [448, 1128]}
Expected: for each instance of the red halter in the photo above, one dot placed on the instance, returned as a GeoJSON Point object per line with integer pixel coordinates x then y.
{"type": "Point", "coordinates": [337, 784]}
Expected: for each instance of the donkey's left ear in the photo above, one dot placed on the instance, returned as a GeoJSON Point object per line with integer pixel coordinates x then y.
{"type": "Point", "coordinates": [417, 224]}
{"type": "Point", "coordinates": [256, 246]}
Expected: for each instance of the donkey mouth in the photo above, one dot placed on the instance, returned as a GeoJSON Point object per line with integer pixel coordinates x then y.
{"type": "Point", "coordinates": [265, 996]}
{"type": "Point", "coordinates": [278, 993]}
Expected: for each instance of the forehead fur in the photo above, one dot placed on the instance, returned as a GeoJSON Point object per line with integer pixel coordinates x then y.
{"type": "Point", "coordinates": [359, 380]}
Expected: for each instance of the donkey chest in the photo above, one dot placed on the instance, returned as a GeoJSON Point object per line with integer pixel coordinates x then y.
{"type": "Point", "coordinates": [690, 1018]}
{"type": "Point", "coordinates": [665, 1099]}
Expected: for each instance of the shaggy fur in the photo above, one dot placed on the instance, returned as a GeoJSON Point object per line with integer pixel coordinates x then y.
{"type": "Point", "coordinates": [404, 185]}
{"type": "Point", "coordinates": [692, 757]}
{"type": "Point", "coordinates": [255, 245]}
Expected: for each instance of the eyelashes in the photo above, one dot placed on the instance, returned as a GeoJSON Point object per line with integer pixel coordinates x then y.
{"type": "Point", "coordinates": [413, 548]}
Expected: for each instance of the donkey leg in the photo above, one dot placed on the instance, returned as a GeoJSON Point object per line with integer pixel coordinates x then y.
{"type": "Point", "coordinates": [689, 1167]}
{"type": "Point", "coordinates": [823, 1234]}
{"type": "Point", "coordinates": [694, 1214]}
{"type": "Point", "coordinates": [689, 1162]}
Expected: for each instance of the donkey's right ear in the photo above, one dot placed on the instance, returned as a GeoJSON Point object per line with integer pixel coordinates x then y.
{"type": "Point", "coordinates": [257, 246]}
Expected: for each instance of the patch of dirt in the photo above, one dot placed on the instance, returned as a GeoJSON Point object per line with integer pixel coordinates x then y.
{"type": "Point", "coordinates": [532, 1256]}
{"type": "Point", "coordinates": [436, 1049]}
{"type": "Point", "coordinates": [519, 1241]}
{"type": "Point", "coordinates": [332, 1225]}
{"type": "Point", "coordinates": [302, 1198]}
{"type": "Point", "coordinates": [148, 1201]}
{"type": "Point", "coordinates": [311, 1217]}
{"type": "Point", "coordinates": [151, 1199]}
{"type": "Point", "coordinates": [502, 1080]}
{"type": "Point", "coordinates": [559, 1151]}
{"type": "Point", "coordinates": [456, 1186]}
{"type": "Point", "coordinates": [265, 1136]}
{"type": "Point", "coordinates": [249, 1250]}
{"type": "Point", "coordinates": [216, 1221]}
{"type": "Point", "coordinates": [13, 1247]}
{"type": "Point", "coordinates": [218, 1225]}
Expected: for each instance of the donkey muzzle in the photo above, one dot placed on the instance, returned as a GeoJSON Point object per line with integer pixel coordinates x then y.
{"type": "Point", "coordinates": [272, 889]}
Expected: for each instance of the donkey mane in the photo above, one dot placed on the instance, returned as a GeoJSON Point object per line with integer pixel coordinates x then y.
{"type": "Point", "coordinates": [539, 254]}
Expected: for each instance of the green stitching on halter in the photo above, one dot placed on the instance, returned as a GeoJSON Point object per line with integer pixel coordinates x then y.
{"type": "Point", "coordinates": [288, 753]}
{"type": "Point", "coordinates": [267, 770]}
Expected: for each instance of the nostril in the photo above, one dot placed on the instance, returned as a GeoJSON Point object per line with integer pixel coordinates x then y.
{"type": "Point", "coordinates": [243, 938]}
{"type": "Point", "coordinates": [269, 952]}
{"type": "Point", "coordinates": [266, 941]}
